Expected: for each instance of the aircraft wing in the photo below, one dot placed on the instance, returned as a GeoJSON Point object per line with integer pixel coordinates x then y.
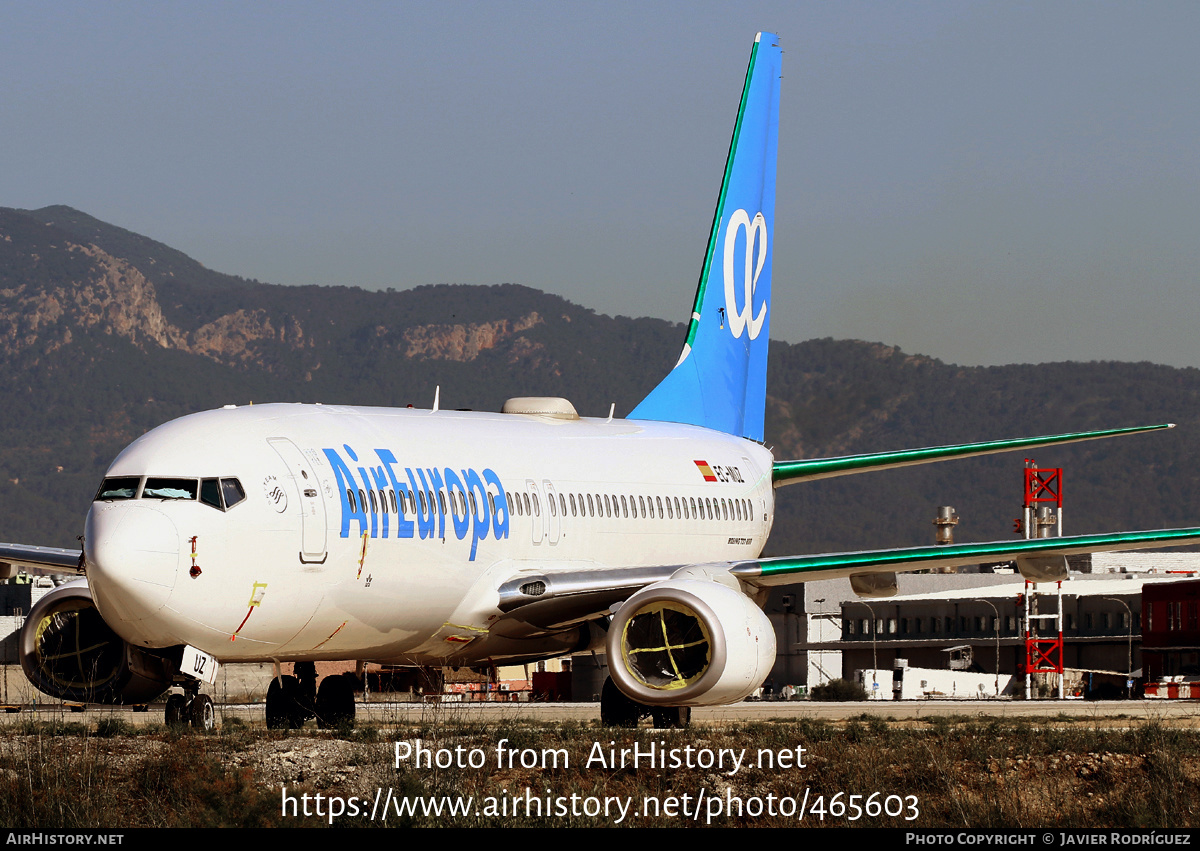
{"type": "Point", "coordinates": [1032, 556]}
{"type": "Point", "coordinates": [43, 560]}
{"type": "Point", "coordinates": [807, 470]}
{"type": "Point", "coordinates": [553, 600]}
{"type": "Point", "coordinates": [558, 599]}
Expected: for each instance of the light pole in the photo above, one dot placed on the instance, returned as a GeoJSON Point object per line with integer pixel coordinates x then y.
{"type": "Point", "coordinates": [1129, 652]}
{"type": "Point", "coordinates": [997, 611]}
{"type": "Point", "coordinates": [823, 675]}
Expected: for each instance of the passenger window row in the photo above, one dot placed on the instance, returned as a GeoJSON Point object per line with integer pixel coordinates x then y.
{"type": "Point", "coordinates": [529, 505]}
{"type": "Point", "coordinates": [636, 506]}
{"type": "Point", "coordinates": [404, 502]}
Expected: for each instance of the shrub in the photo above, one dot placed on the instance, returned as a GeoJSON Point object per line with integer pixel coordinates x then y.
{"type": "Point", "coordinates": [838, 690]}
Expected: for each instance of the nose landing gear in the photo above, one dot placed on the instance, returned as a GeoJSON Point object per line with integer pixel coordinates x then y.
{"type": "Point", "coordinates": [203, 714]}
{"type": "Point", "coordinates": [192, 708]}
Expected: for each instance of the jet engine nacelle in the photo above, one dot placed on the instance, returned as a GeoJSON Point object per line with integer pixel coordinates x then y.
{"type": "Point", "coordinates": [689, 642]}
{"type": "Point", "coordinates": [69, 652]}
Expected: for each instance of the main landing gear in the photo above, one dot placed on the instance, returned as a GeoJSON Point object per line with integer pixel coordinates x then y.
{"type": "Point", "coordinates": [292, 700]}
{"type": "Point", "coordinates": [619, 710]}
{"type": "Point", "coordinates": [192, 708]}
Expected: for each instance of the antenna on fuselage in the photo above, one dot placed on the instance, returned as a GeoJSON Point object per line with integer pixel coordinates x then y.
{"type": "Point", "coordinates": [437, 396]}
{"type": "Point", "coordinates": [612, 409]}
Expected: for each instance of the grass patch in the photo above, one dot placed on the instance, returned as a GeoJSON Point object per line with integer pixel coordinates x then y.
{"type": "Point", "coordinates": [108, 727]}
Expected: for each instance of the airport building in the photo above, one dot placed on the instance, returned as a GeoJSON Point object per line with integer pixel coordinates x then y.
{"type": "Point", "coordinates": [977, 621]}
{"type": "Point", "coordinates": [1171, 637]}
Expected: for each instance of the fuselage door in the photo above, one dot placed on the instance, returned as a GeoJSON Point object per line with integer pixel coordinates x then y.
{"type": "Point", "coordinates": [538, 521]}
{"type": "Point", "coordinates": [553, 521]}
{"type": "Point", "coordinates": [307, 492]}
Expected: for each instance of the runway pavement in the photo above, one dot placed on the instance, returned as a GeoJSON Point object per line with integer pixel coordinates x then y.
{"type": "Point", "coordinates": [1185, 712]}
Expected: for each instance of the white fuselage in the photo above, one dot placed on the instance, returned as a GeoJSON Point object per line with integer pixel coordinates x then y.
{"type": "Point", "coordinates": [310, 565]}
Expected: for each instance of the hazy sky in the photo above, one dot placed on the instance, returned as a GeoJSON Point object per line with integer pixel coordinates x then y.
{"type": "Point", "coordinates": [982, 182]}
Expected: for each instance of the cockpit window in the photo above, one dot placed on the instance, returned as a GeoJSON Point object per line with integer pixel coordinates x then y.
{"type": "Point", "coordinates": [221, 494]}
{"type": "Point", "coordinates": [210, 493]}
{"type": "Point", "coordinates": [170, 489]}
{"type": "Point", "coordinates": [232, 491]}
{"type": "Point", "coordinates": [118, 487]}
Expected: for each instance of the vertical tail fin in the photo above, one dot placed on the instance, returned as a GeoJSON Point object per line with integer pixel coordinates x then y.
{"type": "Point", "coordinates": [720, 381]}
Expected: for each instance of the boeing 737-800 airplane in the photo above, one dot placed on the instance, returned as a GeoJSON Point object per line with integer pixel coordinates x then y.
{"type": "Point", "coordinates": [300, 533]}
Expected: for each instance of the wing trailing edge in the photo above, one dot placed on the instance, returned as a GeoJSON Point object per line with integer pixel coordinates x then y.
{"type": "Point", "coordinates": [807, 470]}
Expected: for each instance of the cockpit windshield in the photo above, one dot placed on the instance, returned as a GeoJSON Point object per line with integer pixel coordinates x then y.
{"type": "Point", "coordinates": [169, 489]}
{"type": "Point", "coordinates": [122, 487]}
{"type": "Point", "coordinates": [221, 494]}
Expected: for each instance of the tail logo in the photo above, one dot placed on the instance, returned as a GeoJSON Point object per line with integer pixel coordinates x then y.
{"type": "Point", "coordinates": [743, 319]}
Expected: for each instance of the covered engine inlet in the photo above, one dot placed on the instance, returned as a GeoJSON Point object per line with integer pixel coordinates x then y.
{"type": "Point", "coordinates": [69, 652]}
{"type": "Point", "coordinates": [689, 642]}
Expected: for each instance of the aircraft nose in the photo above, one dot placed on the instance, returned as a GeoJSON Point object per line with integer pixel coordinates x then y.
{"type": "Point", "coordinates": [132, 559]}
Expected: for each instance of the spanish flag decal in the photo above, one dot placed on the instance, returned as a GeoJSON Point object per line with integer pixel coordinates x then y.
{"type": "Point", "coordinates": [705, 471]}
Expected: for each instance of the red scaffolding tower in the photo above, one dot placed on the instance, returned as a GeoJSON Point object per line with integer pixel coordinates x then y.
{"type": "Point", "coordinates": [1043, 632]}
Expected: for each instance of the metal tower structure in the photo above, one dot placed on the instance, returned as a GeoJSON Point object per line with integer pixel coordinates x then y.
{"type": "Point", "coordinates": [1042, 518]}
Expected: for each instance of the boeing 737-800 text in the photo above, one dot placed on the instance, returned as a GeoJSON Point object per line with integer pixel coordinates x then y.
{"type": "Point", "coordinates": [300, 533]}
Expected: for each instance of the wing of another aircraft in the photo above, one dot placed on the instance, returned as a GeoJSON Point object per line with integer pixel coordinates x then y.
{"type": "Point", "coordinates": [41, 560]}
{"type": "Point", "coordinates": [1035, 558]}
{"type": "Point", "coordinates": [808, 470]}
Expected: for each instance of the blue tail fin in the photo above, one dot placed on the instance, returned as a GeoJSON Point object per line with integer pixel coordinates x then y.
{"type": "Point", "coordinates": [720, 381]}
